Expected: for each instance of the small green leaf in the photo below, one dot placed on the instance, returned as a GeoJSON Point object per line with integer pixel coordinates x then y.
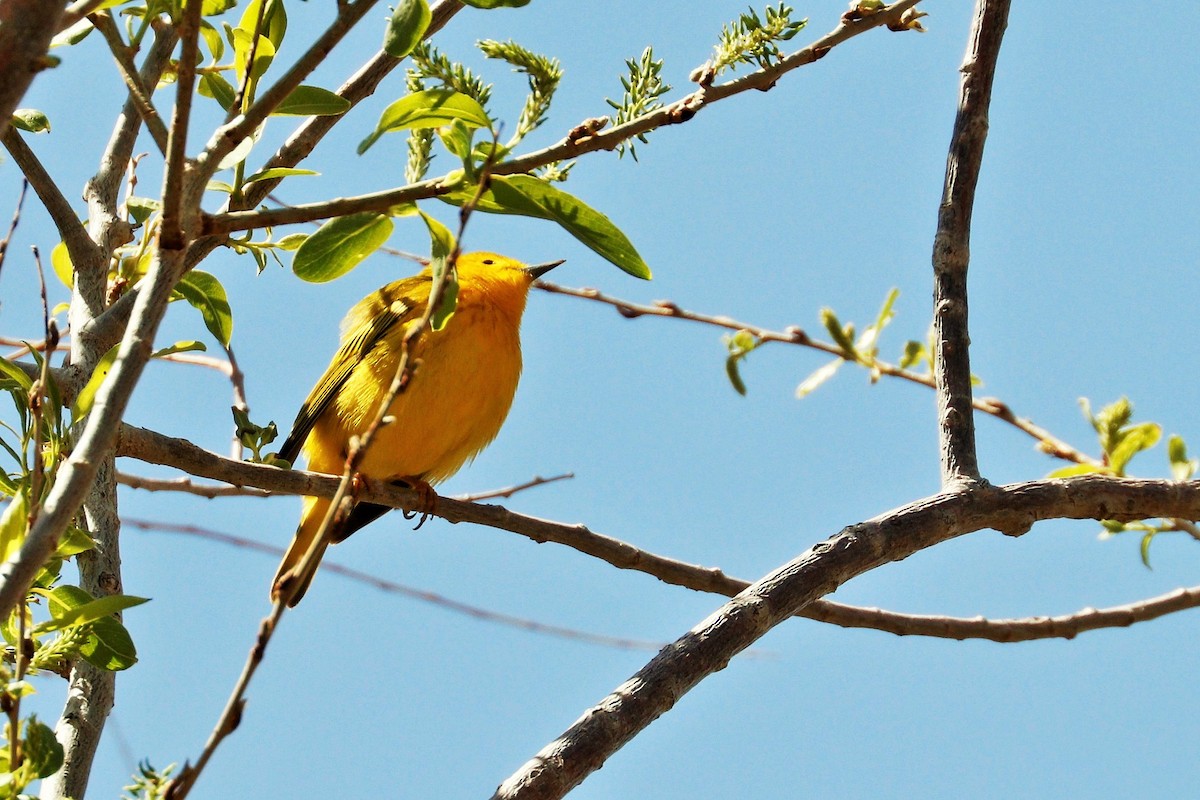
{"type": "Point", "coordinates": [264, 53]}
{"type": "Point", "coordinates": [735, 377]}
{"type": "Point", "coordinates": [914, 353]}
{"type": "Point", "coordinates": [311, 101]}
{"type": "Point", "coordinates": [1182, 467]}
{"type": "Point", "coordinates": [440, 248]}
{"type": "Point", "coordinates": [87, 395]}
{"type": "Point", "coordinates": [214, 85]}
{"type": "Point", "coordinates": [431, 108]}
{"type": "Point", "coordinates": [16, 375]}
{"type": "Point", "coordinates": [496, 3]}
{"type": "Point", "coordinates": [31, 120]}
{"type": "Point", "coordinates": [74, 541]}
{"type": "Point", "coordinates": [60, 262]}
{"type": "Point", "coordinates": [291, 241]}
{"type": "Point", "coordinates": [206, 294]}
{"type": "Point", "coordinates": [518, 192]}
{"type": "Point", "coordinates": [67, 611]}
{"type": "Point", "coordinates": [274, 21]}
{"type": "Point", "coordinates": [13, 525]}
{"type": "Point", "coordinates": [109, 646]}
{"type": "Point", "coordinates": [406, 28]}
{"type": "Point", "coordinates": [818, 377]}
{"type": "Point", "coordinates": [279, 172]}
{"type": "Point", "coordinates": [74, 34]}
{"type": "Point", "coordinates": [843, 337]}
{"type": "Point", "coordinates": [42, 751]}
{"type": "Point", "coordinates": [1131, 441]}
{"type": "Point", "coordinates": [1078, 469]}
{"type": "Point", "coordinates": [140, 208]}
{"type": "Point", "coordinates": [340, 245]}
{"type": "Point", "coordinates": [189, 346]}
{"type": "Point", "coordinates": [1145, 548]}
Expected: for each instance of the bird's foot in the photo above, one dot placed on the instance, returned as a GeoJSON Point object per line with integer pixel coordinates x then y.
{"type": "Point", "coordinates": [426, 500]}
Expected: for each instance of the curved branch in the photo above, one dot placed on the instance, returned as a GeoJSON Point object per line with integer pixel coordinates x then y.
{"type": "Point", "coordinates": [709, 646]}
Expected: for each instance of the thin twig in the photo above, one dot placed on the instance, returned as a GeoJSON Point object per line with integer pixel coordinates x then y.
{"type": "Point", "coordinates": [495, 494]}
{"type": "Point", "coordinates": [66, 220]}
{"type": "Point", "coordinates": [951, 247]}
{"type": "Point", "coordinates": [188, 486]}
{"type": "Point", "coordinates": [1047, 442]}
{"type": "Point", "coordinates": [138, 92]}
{"type": "Point", "coordinates": [392, 587]}
{"type": "Point", "coordinates": [16, 217]}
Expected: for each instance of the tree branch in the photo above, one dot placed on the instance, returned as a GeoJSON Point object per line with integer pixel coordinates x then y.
{"type": "Point", "coordinates": [138, 93]}
{"type": "Point", "coordinates": [155, 448]}
{"type": "Point", "coordinates": [709, 646]}
{"type": "Point", "coordinates": [572, 146]}
{"type": "Point", "coordinates": [951, 246]}
{"type": "Point", "coordinates": [26, 28]}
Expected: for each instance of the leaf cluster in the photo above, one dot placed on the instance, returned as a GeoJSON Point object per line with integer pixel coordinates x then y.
{"type": "Point", "coordinates": [643, 86]}
{"type": "Point", "coordinates": [751, 39]}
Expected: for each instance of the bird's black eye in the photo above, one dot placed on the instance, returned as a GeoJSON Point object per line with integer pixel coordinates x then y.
{"type": "Point", "coordinates": [488, 262]}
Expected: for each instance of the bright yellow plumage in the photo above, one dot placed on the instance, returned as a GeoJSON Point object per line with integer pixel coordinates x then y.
{"type": "Point", "coordinates": [451, 409]}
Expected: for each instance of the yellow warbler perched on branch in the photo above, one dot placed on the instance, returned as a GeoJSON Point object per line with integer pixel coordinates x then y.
{"type": "Point", "coordinates": [451, 409]}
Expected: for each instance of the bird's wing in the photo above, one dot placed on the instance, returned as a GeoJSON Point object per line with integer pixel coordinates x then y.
{"type": "Point", "coordinates": [370, 322]}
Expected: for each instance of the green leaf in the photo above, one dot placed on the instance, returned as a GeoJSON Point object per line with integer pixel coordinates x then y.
{"type": "Point", "coordinates": [431, 108]}
{"type": "Point", "coordinates": [1145, 548]}
{"type": "Point", "coordinates": [264, 53]}
{"type": "Point", "coordinates": [735, 377]}
{"type": "Point", "coordinates": [31, 120]}
{"type": "Point", "coordinates": [140, 208]}
{"type": "Point", "coordinates": [866, 342]}
{"type": "Point", "coordinates": [311, 101]}
{"type": "Point", "coordinates": [842, 336]}
{"type": "Point", "coordinates": [74, 541]}
{"type": "Point", "coordinates": [17, 375]}
{"type": "Point", "coordinates": [440, 247]}
{"type": "Point", "coordinates": [71, 607]}
{"type": "Point", "coordinates": [1133, 440]}
{"type": "Point", "coordinates": [292, 241]}
{"type": "Point", "coordinates": [274, 21]}
{"type": "Point", "coordinates": [518, 192]}
{"type": "Point", "coordinates": [13, 526]}
{"type": "Point", "coordinates": [406, 28]}
{"type": "Point", "coordinates": [74, 34]}
{"type": "Point", "coordinates": [60, 262]}
{"type": "Point", "coordinates": [496, 3]}
{"type": "Point", "coordinates": [340, 245]}
{"type": "Point", "coordinates": [188, 346]}
{"type": "Point", "coordinates": [42, 751]}
{"type": "Point", "coordinates": [109, 646]}
{"type": "Point", "coordinates": [1078, 469]}
{"type": "Point", "coordinates": [87, 395]}
{"type": "Point", "coordinates": [279, 172]}
{"type": "Point", "coordinates": [1182, 467]}
{"type": "Point", "coordinates": [214, 85]}
{"type": "Point", "coordinates": [914, 353]}
{"type": "Point", "coordinates": [206, 294]}
{"type": "Point", "coordinates": [818, 377]}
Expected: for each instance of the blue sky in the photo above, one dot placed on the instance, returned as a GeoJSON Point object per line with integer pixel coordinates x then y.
{"type": "Point", "coordinates": [766, 207]}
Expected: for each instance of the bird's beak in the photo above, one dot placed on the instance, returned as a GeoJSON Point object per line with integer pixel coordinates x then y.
{"type": "Point", "coordinates": [539, 270]}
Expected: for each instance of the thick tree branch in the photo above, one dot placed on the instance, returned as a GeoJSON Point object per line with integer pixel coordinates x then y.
{"type": "Point", "coordinates": [951, 246]}
{"type": "Point", "coordinates": [26, 28]}
{"type": "Point", "coordinates": [709, 646]}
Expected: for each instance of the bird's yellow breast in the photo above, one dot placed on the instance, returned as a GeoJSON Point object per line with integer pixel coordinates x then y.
{"type": "Point", "coordinates": [454, 405]}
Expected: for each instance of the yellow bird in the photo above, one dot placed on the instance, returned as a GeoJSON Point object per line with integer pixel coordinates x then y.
{"type": "Point", "coordinates": [451, 409]}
